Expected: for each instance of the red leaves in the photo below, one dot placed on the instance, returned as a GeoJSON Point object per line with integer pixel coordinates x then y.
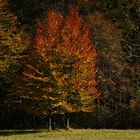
{"type": "Point", "coordinates": [46, 34]}
{"type": "Point", "coordinates": [72, 23]}
{"type": "Point", "coordinates": [53, 22]}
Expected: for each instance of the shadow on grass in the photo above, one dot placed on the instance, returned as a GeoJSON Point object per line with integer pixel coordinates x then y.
{"type": "Point", "coordinates": [18, 132]}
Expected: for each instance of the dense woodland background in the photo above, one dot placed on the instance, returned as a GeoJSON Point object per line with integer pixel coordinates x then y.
{"type": "Point", "coordinates": [114, 29]}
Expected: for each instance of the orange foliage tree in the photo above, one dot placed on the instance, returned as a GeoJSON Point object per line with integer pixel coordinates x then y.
{"type": "Point", "coordinates": [60, 76]}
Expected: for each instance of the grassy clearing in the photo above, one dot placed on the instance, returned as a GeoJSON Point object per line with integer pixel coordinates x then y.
{"type": "Point", "coordinates": [75, 134]}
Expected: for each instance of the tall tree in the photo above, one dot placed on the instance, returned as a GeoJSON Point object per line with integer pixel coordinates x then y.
{"type": "Point", "coordinates": [60, 77]}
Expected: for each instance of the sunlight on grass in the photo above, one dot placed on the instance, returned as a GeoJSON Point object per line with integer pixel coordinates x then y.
{"type": "Point", "coordinates": [75, 134]}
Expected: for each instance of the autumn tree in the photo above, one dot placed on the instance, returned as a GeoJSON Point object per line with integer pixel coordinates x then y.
{"type": "Point", "coordinates": [78, 65]}
{"type": "Point", "coordinates": [12, 47]}
{"type": "Point", "coordinates": [60, 74]}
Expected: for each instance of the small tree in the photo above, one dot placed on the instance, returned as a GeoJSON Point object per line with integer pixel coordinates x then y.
{"type": "Point", "coordinates": [61, 75]}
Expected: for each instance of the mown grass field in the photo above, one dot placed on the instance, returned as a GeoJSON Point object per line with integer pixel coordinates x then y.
{"type": "Point", "coordinates": [75, 134]}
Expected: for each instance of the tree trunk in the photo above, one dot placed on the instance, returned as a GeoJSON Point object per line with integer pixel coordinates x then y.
{"type": "Point", "coordinates": [76, 120]}
{"type": "Point", "coordinates": [67, 123]}
{"type": "Point", "coordinates": [50, 123]}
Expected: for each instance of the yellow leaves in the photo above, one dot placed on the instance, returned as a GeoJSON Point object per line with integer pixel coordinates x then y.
{"type": "Point", "coordinates": [88, 108]}
{"type": "Point", "coordinates": [59, 104]}
{"type": "Point", "coordinates": [34, 69]}
{"type": "Point", "coordinates": [69, 107]}
{"type": "Point", "coordinates": [52, 66]}
{"type": "Point", "coordinates": [57, 78]}
{"type": "Point", "coordinates": [48, 90]}
{"type": "Point", "coordinates": [12, 44]}
{"type": "Point", "coordinates": [42, 79]}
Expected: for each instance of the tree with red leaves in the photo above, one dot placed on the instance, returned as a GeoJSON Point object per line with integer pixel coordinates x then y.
{"type": "Point", "coordinates": [60, 74]}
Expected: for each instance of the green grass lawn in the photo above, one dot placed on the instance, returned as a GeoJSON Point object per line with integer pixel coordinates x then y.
{"type": "Point", "coordinates": [75, 134]}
